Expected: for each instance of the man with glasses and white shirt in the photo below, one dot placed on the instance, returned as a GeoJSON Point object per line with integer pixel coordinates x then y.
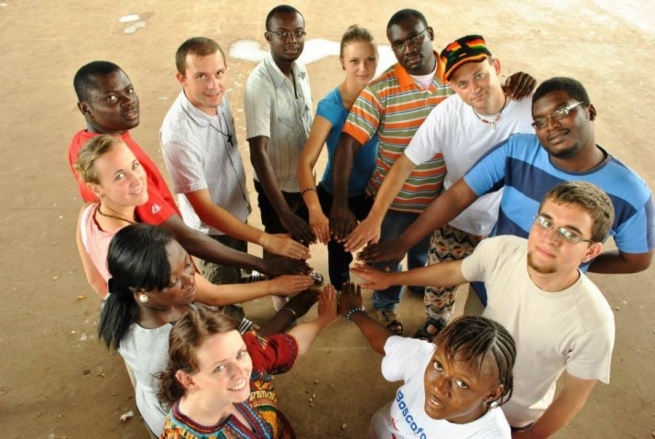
{"type": "Point", "coordinates": [527, 166]}
{"type": "Point", "coordinates": [278, 105]}
{"type": "Point", "coordinates": [393, 106]}
{"type": "Point", "coordinates": [461, 129]}
{"type": "Point", "coordinates": [560, 321]}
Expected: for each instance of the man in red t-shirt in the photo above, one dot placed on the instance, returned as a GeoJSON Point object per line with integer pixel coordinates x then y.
{"type": "Point", "coordinates": [110, 106]}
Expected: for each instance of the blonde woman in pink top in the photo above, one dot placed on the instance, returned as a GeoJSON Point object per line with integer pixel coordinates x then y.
{"type": "Point", "coordinates": [112, 172]}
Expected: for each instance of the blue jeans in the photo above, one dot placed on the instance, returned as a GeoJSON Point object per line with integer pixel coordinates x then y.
{"type": "Point", "coordinates": [393, 225]}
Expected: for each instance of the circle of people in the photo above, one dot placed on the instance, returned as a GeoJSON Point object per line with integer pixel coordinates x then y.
{"type": "Point", "coordinates": [494, 184]}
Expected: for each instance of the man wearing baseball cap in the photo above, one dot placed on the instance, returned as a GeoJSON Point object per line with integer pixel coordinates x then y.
{"type": "Point", "coordinates": [462, 129]}
{"type": "Point", "coordinates": [393, 107]}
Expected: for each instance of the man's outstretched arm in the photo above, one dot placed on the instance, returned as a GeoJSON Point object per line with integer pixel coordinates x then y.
{"type": "Point", "coordinates": [297, 226]}
{"type": "Point", "coordinates": [369, 230]}
{"type": "Point", "coordinates": [200, 245]}
{"type": "Point", "coordinates": [439, 213]}
{"type": "Point", "coordinates": [342, 220]}
{"type": "Point", "coordinates": [446, 274]}
{"type": "Point", "coordinates": [618, 262]}
{"type": "Point", "coordinates": [221, 219]}
{"type": "Point", "coordinates": [563, 408]}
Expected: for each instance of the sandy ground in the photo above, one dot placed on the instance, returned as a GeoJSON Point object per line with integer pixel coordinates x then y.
{"type": "Point", "coordinates": [57, 380]}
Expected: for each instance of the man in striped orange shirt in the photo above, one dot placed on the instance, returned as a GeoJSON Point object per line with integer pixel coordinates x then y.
{"type": "Point", "coordinates": [393, 107]}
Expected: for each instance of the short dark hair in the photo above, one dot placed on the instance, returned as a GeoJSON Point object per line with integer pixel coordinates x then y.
{"type": "Point", "coordinates": [137, 260]}
{"type": "Point", "coordinates": [573, 87]}
{"type": "Point", "coordinates": [188, 334]}
{"type": "Point", "coordinates": [281, 9]}
{"type": "Point", "coordinates": [85, 78]}
{"type": "Point", "coordinates": [589, 198]}
{"type": "Point", "coordinates": [199, 46]}
{"type": "Point", "coordinates": [471, 338]}
{"type": "Point", "coordinates": [403, 15]}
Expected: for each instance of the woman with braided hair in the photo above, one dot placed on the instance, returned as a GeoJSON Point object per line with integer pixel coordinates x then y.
{"type": "Point", "coordinates": [451, 388]}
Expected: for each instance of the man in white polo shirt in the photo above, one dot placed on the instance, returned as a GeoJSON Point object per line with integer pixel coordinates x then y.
{"type": "Point", "coordinates": [202, 155]}
{"type": "Point", "coordinates": [461, 129]}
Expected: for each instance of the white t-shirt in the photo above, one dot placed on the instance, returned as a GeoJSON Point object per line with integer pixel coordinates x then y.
{"type": "Point", "coordinates": [146, 352]}
{"type": "Point", "coordinates": [403, 418]}
{"type": "Point", "coordinates": [425, 80]}
{"type": "Point", "coordinates": [570, 330]}
{"type": "Point", "coordinates": [453, 129]}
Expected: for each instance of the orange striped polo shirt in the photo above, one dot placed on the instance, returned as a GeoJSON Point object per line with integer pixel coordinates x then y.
{"type": "Point", "coordinates": [393, 107]}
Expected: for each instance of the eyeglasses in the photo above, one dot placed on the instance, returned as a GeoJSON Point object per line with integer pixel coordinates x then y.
{"type": "Point", "coordinates": [414, 41]}
{"type": "Point", "coordinates": [285, 34]}
{"type": "Point", "coordinates": [565, 233]}
{"type": "Point", "coordinates": [555, 115]}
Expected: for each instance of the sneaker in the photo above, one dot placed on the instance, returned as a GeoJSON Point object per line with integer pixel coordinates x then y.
{"type": "Point", "coordinates": [255, 276]}
{"type": "Point", "coordinates": [318, 278]}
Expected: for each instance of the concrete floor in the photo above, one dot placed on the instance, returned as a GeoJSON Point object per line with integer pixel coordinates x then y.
{"type": "Point", "coordinates": [57, 380]}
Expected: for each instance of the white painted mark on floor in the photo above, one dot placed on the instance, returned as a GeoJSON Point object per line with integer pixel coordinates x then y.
{"type": "Point", "coordinates": [315, 50]}
{"type": "Point", "coordinates": [129, 18]}
{"type": "Point", "coordinates": [135, 19]}
{"type": "Point", "coordinates": [136, 26]}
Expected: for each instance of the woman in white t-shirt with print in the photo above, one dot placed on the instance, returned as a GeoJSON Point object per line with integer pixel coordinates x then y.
{"type": "Point", "coordinates": [452, 388]}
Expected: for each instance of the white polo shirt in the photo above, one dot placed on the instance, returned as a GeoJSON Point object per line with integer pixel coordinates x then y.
{"type": "Point", "coordinates": [198, 156]}
{"type": "Point", "coordinates": [284, 115]}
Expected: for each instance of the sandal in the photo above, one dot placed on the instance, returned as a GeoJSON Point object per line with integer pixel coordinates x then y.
{"type": "Point", "coordinates": [391, 321]}
{"type": "Point", "coordinates": [422, 333]}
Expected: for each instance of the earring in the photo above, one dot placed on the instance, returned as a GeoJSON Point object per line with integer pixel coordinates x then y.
{"type": "Point", "coordinates": [143, 298]}
{"type": "Point", "coordinates": [493, 404]}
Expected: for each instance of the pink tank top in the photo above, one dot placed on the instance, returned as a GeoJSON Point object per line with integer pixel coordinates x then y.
{"type": "Point", "coordinates": [95, 241]}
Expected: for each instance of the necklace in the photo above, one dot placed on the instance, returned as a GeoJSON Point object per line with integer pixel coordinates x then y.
{"type": "Point", "coordinates": [491, 123]}
{"type": "Point", "coordinates": [115, 217]}
{"type": "Point", "coordinates": [227, 135]}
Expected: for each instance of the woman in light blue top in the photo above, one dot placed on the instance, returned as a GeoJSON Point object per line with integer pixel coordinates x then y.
{"type": "Point", "coordinates": [359, 59]}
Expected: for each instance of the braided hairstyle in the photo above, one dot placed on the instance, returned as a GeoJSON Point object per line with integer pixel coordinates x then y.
{"type": "Point", "coordinates": [471, 338]}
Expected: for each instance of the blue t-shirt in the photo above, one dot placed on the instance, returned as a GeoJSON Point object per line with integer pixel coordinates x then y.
{"type": "Point", "coordinates": [523, 167]}
{"type": "Point", "coordinates": [331, 108]}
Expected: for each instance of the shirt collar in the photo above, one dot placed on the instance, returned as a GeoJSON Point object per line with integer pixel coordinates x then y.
{"type": "Point", "coordinates": [277, 75]}
{"type": "Point", "coordinates": [199, 117]}
{"type": "Point", "coordinates": [405, 79]}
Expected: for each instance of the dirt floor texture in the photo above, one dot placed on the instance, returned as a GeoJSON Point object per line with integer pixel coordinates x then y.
{"type": "Point", "coordinates": [58, 381]}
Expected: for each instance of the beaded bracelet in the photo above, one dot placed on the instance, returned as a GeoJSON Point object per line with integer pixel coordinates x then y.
{"type": "Point", "coordinates": [307, 190]}
{"type": "Point", "coordinates": [352, 311]}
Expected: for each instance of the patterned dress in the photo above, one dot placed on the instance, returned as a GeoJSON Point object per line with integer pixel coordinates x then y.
{"type": "Point", "coordinates": [270, 356]}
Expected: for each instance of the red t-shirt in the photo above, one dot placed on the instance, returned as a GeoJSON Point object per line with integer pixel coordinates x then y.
{"type": "Point", "coordinates": [160, 205]}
